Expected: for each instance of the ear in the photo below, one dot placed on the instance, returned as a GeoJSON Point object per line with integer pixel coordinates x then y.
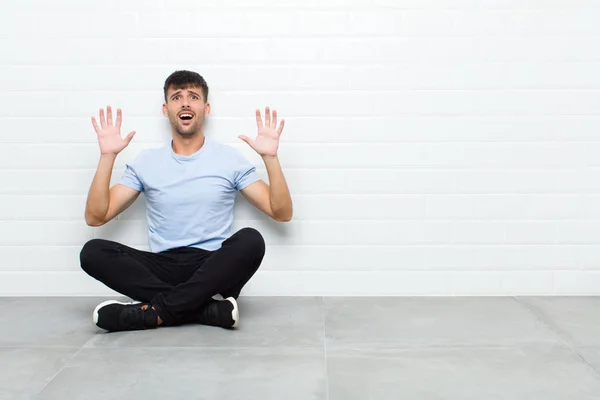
{"type": "Point", "coordinates": [207, 109]}
{"type": "Point", "coordinates": [165, 110]}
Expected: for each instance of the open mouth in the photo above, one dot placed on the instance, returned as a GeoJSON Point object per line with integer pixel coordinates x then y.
{"type": "Point", "coordinates": [186, 116]}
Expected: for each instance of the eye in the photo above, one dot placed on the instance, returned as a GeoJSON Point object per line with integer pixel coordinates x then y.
{"type": "Point", "coordinates": [194, 97]}
{"type": "Point", "coordinates": [176, 97]}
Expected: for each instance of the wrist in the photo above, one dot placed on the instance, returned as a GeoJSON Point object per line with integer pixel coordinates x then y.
{"type": "Point", "coordinates": [269, 158]}
{"type": "Point", "coordinates": [108, 156]}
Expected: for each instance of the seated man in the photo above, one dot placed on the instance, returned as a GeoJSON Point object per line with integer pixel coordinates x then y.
{"type": "Point", "coordinates": [189, 187]}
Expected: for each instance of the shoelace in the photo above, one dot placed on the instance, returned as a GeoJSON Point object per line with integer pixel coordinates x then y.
{"type": "Point", "coordinates": [135, 316]}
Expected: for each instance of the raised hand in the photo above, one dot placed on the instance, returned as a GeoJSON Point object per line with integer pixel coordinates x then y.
{"type": "Point", "coordinates": [267, 139]}
{"type": "Point", "coordinates": [109, 135]}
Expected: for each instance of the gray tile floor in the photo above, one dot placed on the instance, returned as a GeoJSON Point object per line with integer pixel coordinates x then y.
{"type": "Point", "coordinates": [311, 348]}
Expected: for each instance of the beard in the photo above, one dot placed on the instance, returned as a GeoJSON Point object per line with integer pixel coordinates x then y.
{"type": "Point", "coordinates": [187, 131]}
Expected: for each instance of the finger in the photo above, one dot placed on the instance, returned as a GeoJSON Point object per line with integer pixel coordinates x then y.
{"type": "Point", "coordinates": [246, 139]}
{"type": "Point", "coordinates": [119, 118]}
{"type": "Point", "coordinates": [281, 127]}
{"type": "Point", "coordinates": [95, 124]}
{"type": "Point", "coordinates": [129, 137]}
{"type": "Point", "coordinates": [259, 123]}
{"type": "Point", "coordinates": [274, 122]}
{"type": "Point", "coordinates": [109, 120]}
{"type": "Point", "coordinates": [267, 117]}
{"type": "Point", "coordinates": [102, 119]}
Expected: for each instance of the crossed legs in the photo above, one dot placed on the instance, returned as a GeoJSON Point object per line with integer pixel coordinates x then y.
{"type": "Point", "coordinates": [178, 284]}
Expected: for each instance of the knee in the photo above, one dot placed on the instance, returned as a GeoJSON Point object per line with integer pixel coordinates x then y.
{"type": "Point", "coordinates": [253, 239]}
{"type": "Point", "coordinates": [90, 254]}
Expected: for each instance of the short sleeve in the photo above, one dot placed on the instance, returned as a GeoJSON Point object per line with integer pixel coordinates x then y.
{"type": "Point", "coordinates": [245, 172]}
{"type": "Point", "coordinates": [130, 179]}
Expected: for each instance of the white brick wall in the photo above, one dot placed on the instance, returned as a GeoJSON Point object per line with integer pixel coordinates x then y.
{"type": "Point", "coordinates": [432, 147]}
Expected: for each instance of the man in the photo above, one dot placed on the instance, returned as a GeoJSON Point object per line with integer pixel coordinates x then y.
{"type": "Point", "coordinates": [196, 269]}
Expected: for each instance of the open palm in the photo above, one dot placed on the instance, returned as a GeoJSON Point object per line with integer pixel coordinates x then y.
{"type": "Point", "coordinates": [266, 142]}
{"type": "Point", "coordinates": [109, 134]}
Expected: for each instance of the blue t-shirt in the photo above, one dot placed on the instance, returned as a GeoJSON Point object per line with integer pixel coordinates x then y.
{"type": "Point", "coordinates": [189, 199]}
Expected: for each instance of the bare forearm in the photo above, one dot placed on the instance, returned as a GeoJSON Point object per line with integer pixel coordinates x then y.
{"type": "Point", "coordinates": [99, 194]}
{"type": "Point", "coordinates": [279, 194]}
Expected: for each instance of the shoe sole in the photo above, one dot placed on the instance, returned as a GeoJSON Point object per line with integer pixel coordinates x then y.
{"type": "Point", "coordinates": [235, 313]}
{"type": "Point", "coordinates": [105, 303]}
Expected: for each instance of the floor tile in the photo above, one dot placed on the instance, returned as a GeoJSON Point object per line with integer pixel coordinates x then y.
{"type": "Point", "coordinates": [461, 374]}
{"type": "Point", "coordinates": [161, 373]}
{"type": "Point", "coordinates": [398, 321]}
{"type": "Point", "coordinates": [591, 355]}
{"type": "Point", "coordinates": [24, 372]}
{"type": "Point", "coordinates": [576, 318]}
{"type": "Point", "coordinates": [54, 321]}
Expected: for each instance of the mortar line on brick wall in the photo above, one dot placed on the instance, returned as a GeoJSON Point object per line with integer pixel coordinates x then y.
{"type": "Point", "coordinates": [320, 117]}
{"type": "Point", "coordinates": [327, 143]}
{"type": "Point", "coordinates": [353, 35]}
{"type": "Point", "coordinates": [314, 91]}
{"type": "Point", "coordinates": [420, 220]}
{"type": "Point", "coordinates": [502, 37]}
{"type": "Point", "coordinates": [412, 114]}
{"type": "Point", "coordinates": [545, 88]}
{"type": "Point", "coordinates": [19, 193]}
{"type": "Point", "coordinates": [416, 246]}
{"type": "Point", "coordinates": [324, 65]}
{"type": "Point", "coordinates": [316, 64]}
{"type": "Point", "coordinates": [369, 194]}
{"type": "Point", "coordinates": [403, 168]}
{"type": "Point", "coordinates": [368, 246]}
{"type": "Point", "coordinates": [426, 270]}
{"type": "Point", "coordinates": [153, 10]}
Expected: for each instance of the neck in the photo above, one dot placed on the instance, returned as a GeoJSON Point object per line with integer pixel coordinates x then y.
{"type": "Point", "coordinates": [187, 146]}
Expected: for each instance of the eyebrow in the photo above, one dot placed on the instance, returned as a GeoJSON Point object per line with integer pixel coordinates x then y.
{"type": "Point", "coordinates": [179, 91]}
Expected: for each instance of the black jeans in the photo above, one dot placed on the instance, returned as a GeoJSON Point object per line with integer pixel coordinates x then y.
{"type": "Point", "coordinates": [178, 282]}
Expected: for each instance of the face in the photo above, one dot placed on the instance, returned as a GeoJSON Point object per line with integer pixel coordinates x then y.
{"type": "Point", "coordinates": [186, 109]}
